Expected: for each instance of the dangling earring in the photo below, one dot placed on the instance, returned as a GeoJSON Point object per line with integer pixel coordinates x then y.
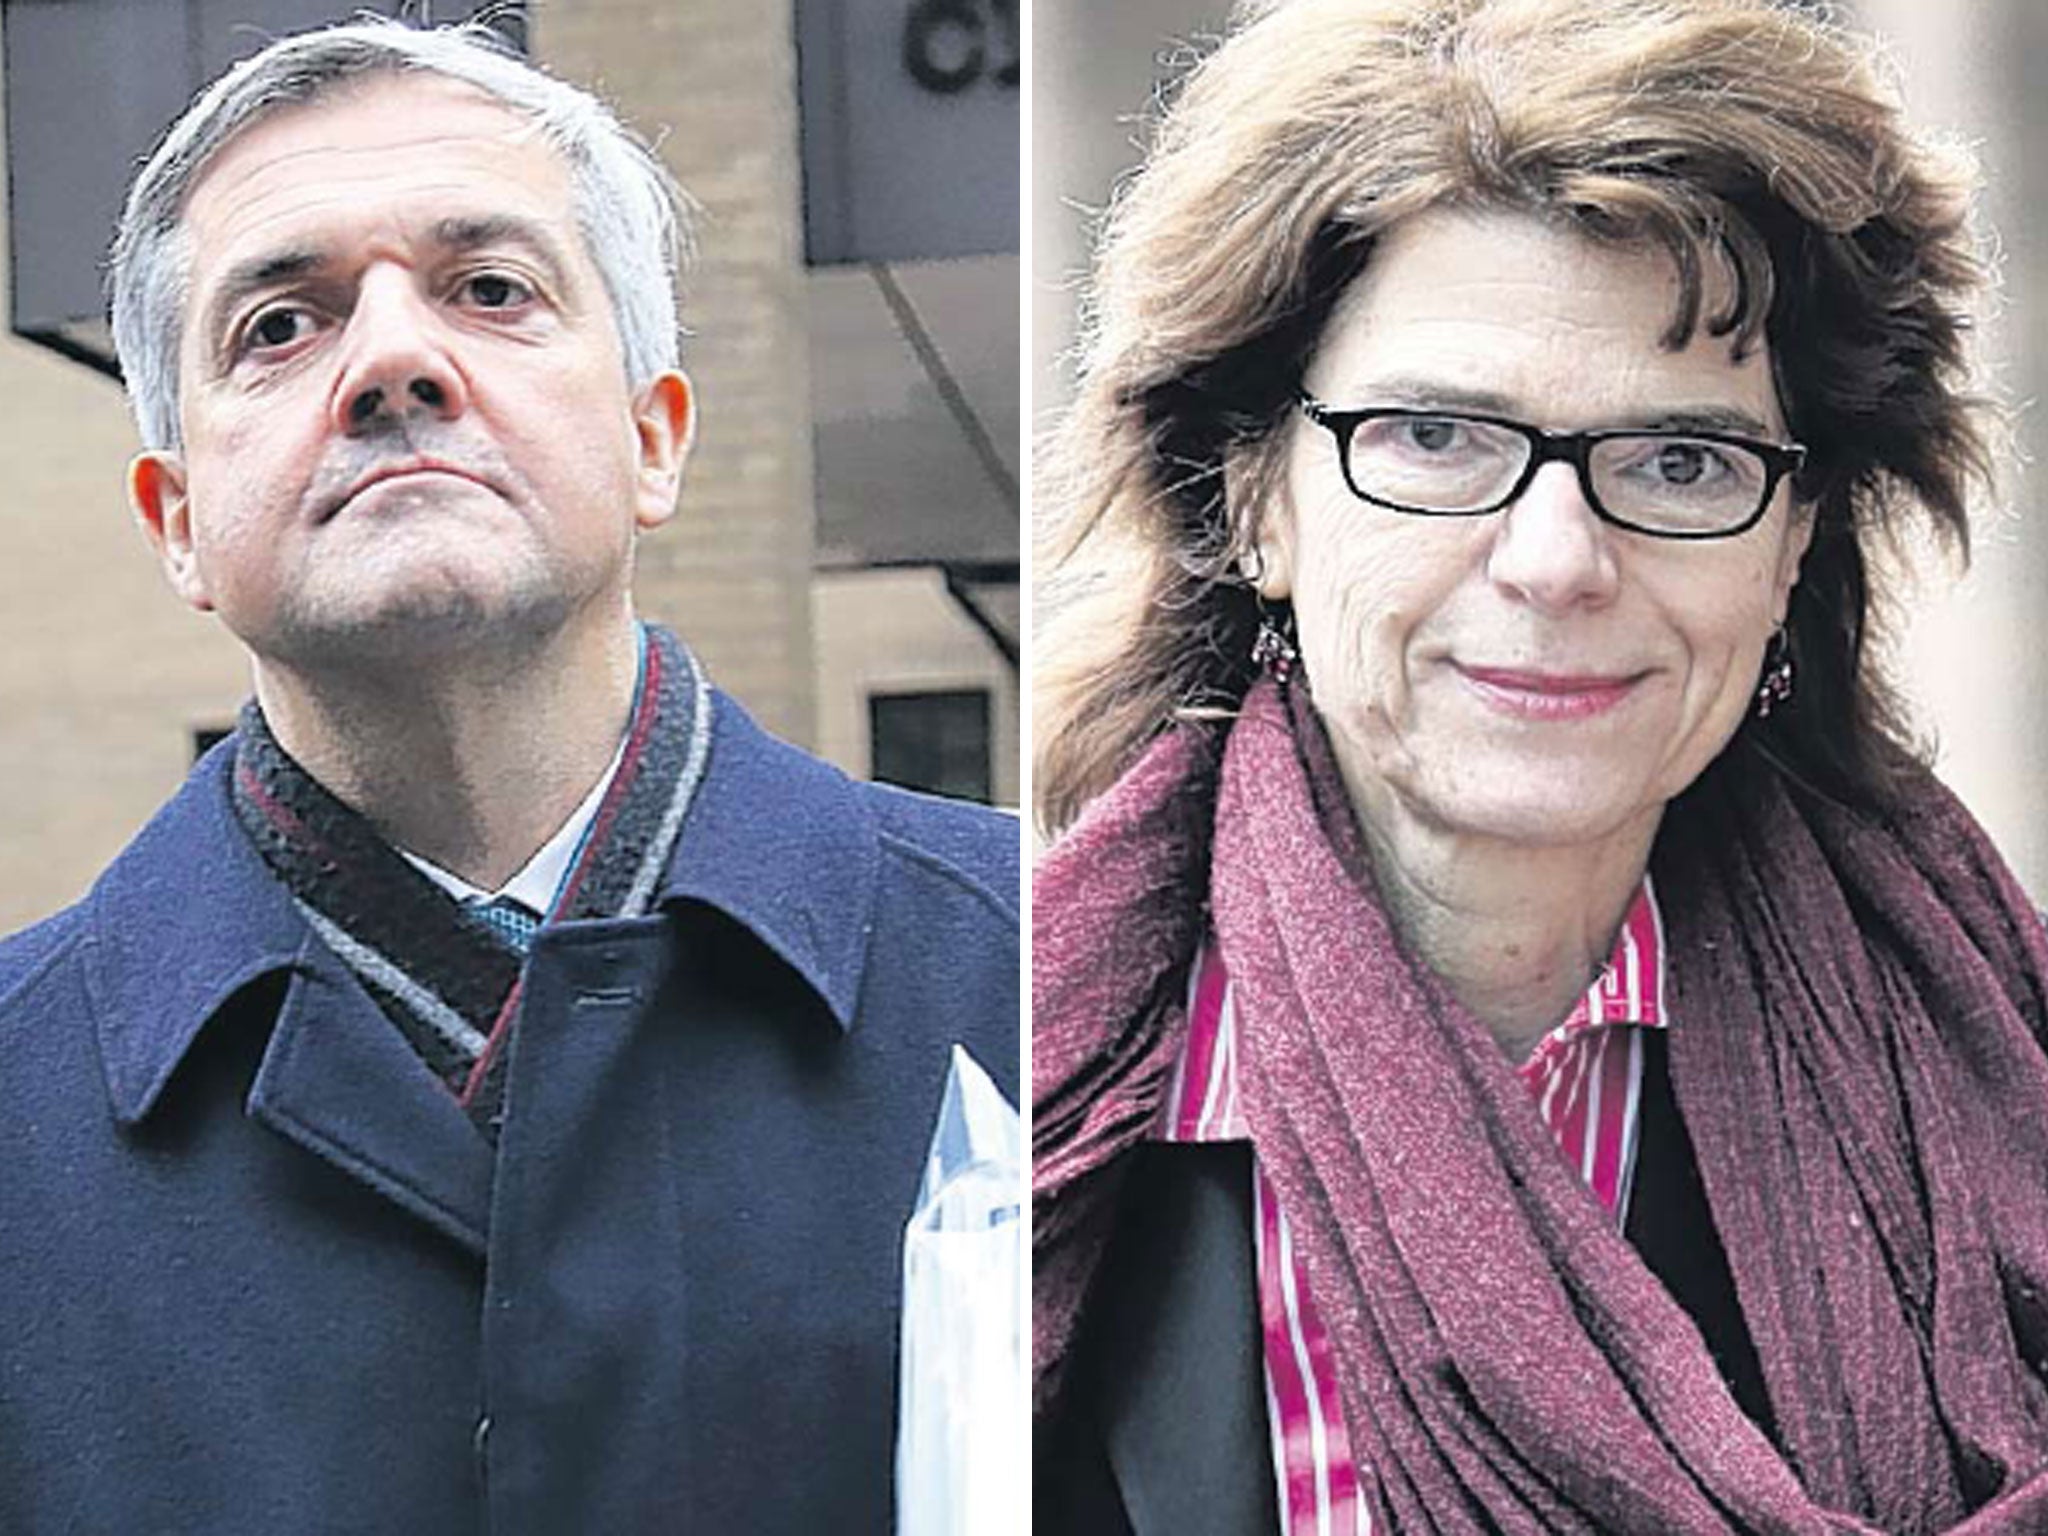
{"type": "Point", "coordinates": [1273, 649]}
{"type": "Point", "coordinates": [1776, 686]}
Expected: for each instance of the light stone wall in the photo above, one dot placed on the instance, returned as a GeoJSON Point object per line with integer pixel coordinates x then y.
{"type": "Point", "coordinates": [104, 675]}
{"type": "Point", "coordinates": [715, 83]}
{"type": "Point", "coordinates": [897, 631]}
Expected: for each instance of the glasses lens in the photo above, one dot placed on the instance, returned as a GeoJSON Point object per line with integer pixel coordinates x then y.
{"type": "Point", "coordinates": [1435, 463]}
{"type": "Point", "coordinates": [1684, 485]}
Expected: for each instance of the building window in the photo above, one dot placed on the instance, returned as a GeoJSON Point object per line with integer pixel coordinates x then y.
{"type": "Point", "coordinates": [932, 741]}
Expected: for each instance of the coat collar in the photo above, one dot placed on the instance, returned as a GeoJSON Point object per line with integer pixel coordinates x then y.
{"type": "Point", "coordinates": [188, 915]}
{"type": "Point", "coordinates": [181, 922]}
{"type": "Point", "coordinates": [786, 845]}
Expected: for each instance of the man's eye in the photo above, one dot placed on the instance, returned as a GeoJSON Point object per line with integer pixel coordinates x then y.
{"type": "Point", "coordinates": [278, 327]}
{"type": "Point", "coordinates": [494, 290]}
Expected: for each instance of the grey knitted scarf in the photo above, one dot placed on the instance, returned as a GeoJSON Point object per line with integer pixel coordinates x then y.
{"type": "Point", "coordinates": [446, 977]}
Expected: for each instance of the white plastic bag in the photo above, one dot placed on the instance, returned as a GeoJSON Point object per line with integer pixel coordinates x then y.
{"type": "Point", "coordinates": [960, 1444]}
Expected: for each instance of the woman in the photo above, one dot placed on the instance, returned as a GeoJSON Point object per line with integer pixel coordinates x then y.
{"type": "Point", "coordinates": [1522, 1041]}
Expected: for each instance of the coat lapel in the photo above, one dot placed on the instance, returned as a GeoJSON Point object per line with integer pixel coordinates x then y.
{"type": "Point", "coordinates": [1171, 1362]}
{"type": "Point", "coordinates": [184, 923]}
{"type": "Point", "coordinates": [341, 1081]}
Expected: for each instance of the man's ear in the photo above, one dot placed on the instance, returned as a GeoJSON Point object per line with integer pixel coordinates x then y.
{"type": "Point", "coordinates": [665, 418]}
{"type": "Point", "coordinates": [156, 492]}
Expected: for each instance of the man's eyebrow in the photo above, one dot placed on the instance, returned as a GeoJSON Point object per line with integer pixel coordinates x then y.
{"type": "Point", "coordinates": [252, 275]}
{"type": "Point", "coordinates": [1426, 394]}
{"type": "Point", "coordinates": [463, 233]}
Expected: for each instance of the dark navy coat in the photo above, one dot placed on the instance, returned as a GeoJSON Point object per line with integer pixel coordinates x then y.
{"type": "Point", "coordinates": [259, 1274]}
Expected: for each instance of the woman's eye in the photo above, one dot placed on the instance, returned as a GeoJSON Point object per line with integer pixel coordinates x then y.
{"type": "Point", "coordinates": [494, 290]}
{"type": "Point", "coordinates": [1432, 435]}
{"type": "Point", "coordinates": [1688, 463]}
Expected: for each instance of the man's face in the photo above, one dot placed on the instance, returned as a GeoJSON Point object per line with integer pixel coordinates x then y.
{"type": "Point", "coordinates": [405, 415]}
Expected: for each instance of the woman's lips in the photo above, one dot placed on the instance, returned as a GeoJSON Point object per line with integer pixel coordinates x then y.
{"type": "Point", "coordinates": [1547, 695]}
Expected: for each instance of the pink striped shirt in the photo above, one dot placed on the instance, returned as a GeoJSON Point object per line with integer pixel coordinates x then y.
{"type": "Point", "coordinates": [1586, 1078]}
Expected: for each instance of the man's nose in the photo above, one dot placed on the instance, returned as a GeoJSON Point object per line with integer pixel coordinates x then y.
{"type": "Point", "coordinates": [396, 360]}
{"type": "Point", "coordinates": [1551, 548]}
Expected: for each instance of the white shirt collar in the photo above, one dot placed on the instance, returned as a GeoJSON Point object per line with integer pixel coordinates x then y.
{"type": "Point", "coordinates": [536, 882]}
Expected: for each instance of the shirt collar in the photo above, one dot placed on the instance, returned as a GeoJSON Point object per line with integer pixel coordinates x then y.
{"type": "Point", "coordinates": [1627, 994]}
{"type": "Point", "coordinates": [1630, 987]}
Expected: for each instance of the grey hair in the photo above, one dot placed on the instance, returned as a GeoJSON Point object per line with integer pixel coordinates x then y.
{"type": "Point", "coordinates": [632, 215]}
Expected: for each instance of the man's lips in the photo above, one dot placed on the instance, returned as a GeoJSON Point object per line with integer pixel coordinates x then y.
{"type": "Point", "coordinates": [384, 472]}
{"type": "Point", "coordinates": [1548, 695]}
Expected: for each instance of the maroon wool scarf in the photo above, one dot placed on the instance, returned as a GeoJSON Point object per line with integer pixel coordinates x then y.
{"type": "Point", "coordinates": [1859, 1008]}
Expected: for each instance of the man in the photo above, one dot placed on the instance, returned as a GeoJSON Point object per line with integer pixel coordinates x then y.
{"type": "Point", "coordinates": [336, 1197]}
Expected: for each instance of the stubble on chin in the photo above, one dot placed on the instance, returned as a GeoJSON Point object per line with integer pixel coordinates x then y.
{"type": "Point", "coordinates": [417, 627]}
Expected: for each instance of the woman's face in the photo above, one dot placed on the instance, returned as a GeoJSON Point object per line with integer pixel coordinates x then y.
{"type": "Point", "coordinates": [1536, 675]}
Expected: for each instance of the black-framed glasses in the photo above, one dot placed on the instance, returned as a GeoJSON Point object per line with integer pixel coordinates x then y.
{"type": "Point", "coordinates": [1670, 484]}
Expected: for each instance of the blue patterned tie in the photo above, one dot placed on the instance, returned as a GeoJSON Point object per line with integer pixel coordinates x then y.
{"type": "Point", "coordinates": [512, 921]}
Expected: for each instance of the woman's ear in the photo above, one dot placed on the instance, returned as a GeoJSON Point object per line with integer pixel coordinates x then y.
{"type": "Point", "coordinates": [1798, 539]}
{"type": "Point", "coordinates": [1255, 499]}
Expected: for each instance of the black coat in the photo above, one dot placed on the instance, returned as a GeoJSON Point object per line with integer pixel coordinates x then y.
{"type": "Point", "coordinates": [1161, 1426]}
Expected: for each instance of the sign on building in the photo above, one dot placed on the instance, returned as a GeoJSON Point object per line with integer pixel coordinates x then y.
{"type": "Point", "coordinates": [910, 127]}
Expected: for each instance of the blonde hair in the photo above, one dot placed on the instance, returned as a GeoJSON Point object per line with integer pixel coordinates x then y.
{"type": "Point", "coordinates": [1744, 133]}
